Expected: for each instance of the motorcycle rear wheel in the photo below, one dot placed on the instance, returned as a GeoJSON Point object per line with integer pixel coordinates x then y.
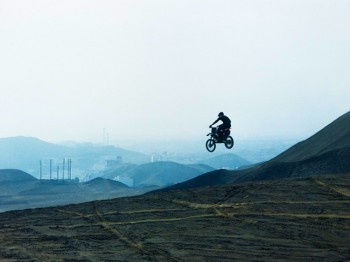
{"type": "Point", "coordinates": [210, 145]}
{"type": "Point", "coordinates": [229, 142]}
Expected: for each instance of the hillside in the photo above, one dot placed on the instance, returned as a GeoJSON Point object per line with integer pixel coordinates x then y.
{"type": "Point", "coordinates": [282, 220]}
{"type": "Point", "coordinates": [333, 137]}
{"type": "Point", "coordinates": [120, 170]}
{"type": "Point", "coordinates": [314, 156]}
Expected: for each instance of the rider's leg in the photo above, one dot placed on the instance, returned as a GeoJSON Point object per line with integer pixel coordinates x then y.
{"type": "Point", "coordinates": [220, 130]}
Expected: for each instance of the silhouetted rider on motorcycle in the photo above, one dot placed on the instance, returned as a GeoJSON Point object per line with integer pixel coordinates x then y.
{"type": "Point", "coordinates": [226, 123]}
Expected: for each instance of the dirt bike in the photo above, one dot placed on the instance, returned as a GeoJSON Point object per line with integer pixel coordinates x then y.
{"type": "Point", "coordinates": [215, 139]}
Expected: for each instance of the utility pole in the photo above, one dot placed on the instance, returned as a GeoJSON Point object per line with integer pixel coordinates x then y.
{"type": "Point", "coordinates": [64, 163]}
{"type": "Point", "coordinates": [41, 169]}
{"type": "Point", "coordinates": [70, 169]}
{"type": "Point", "coordinates": [50, 169]}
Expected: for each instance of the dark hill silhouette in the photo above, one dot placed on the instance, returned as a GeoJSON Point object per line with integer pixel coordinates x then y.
{"type": "Point", "coordinates": [326, 152]}
{"type": "Point", "coordinates": [332, 162]}
{"type": "Point", "coordinates": [58, 188]}
{"type": "Point", "coordinates": [14, 175]}
{"type": "Point", "coordinates": [104, 184]}
{"type": "Point", "coordinates": [334, 136]}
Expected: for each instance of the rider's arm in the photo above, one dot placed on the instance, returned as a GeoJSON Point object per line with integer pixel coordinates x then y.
{"type": "Point", "coordinates": [217, 120]}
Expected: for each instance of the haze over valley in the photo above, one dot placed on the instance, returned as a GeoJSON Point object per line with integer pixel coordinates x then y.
{"type": "Point", "coordinates": [107, 145]}
{"type": "Point", "coordinates": [56, 174]}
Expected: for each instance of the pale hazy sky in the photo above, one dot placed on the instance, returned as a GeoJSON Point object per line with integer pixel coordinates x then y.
{"type": "Point", "coordinates": [165, 69]}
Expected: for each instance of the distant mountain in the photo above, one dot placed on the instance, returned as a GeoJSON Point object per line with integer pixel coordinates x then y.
{"type": "Point", "coordinates": [227, 161]}
{"type": "Point", "coordinates": [120, 170]}
{"type": "Point", "coordinates": [160, 173]}
{"type": "Point", "coordinates": [24, 153]}
{"type": "Point", "coordinates": [163, 173]}
{"type": "Point", "coordinates": [87, 150]}
{"type": "Point", "coordinates": [327, 152]}
{"type": "Point", "coordinates": [202, 168]}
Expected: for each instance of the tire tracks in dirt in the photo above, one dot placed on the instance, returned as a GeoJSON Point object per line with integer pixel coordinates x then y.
{"type": "Point", "coordinates": [97, 219]}
{"type": "Point", "coordinates": [331, 188]}
{"type": "Point", "coordinates": [237, 206]}
{"type": "Point", "coordinates": [215, 207]}
{"type": "Point", "coordinates": [152, 254]}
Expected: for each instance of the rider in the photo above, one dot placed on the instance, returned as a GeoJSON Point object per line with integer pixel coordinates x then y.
{"type": "Point", "coordinates": [226, 123]}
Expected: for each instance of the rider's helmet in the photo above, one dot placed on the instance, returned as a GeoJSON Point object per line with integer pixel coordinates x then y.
{"type": "Point", "coordinates": [220, 114]}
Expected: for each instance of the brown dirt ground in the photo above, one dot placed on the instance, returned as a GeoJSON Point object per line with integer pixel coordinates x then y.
{"type": "Point", "coordinates": [286, 220]}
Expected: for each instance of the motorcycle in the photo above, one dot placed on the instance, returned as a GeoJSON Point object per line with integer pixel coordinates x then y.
{"type": "Point", "coordinates": [216, 139]}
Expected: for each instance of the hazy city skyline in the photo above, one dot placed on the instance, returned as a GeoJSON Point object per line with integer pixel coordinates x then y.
{"type": "Point", "coordinates": [165, 69]}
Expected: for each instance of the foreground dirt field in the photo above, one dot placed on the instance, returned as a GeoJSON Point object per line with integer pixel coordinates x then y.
{"type": "Point", "coordinates": [304, 219]}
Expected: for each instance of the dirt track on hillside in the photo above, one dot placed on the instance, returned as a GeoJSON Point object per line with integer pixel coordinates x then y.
{"type": "Point", "coordinates": [293, 220]}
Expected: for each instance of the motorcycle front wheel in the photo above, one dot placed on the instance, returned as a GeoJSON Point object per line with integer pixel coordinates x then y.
{"type": "Point", "coordinates": [229, 142]}
{"type": "Point", "coordinates": [210, 145]}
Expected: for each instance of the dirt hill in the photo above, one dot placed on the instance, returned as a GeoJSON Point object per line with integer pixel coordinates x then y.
{"type": "Point", "coordinates": [333, 137]}
{"type": "Point", "coordinates": [282, 220]}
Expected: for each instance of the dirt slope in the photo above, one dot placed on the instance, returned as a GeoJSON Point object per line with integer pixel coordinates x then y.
{"type": "Point", "coordinates": [334, 136]}
{"type": "Point", "coordinates": [285, 220]}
